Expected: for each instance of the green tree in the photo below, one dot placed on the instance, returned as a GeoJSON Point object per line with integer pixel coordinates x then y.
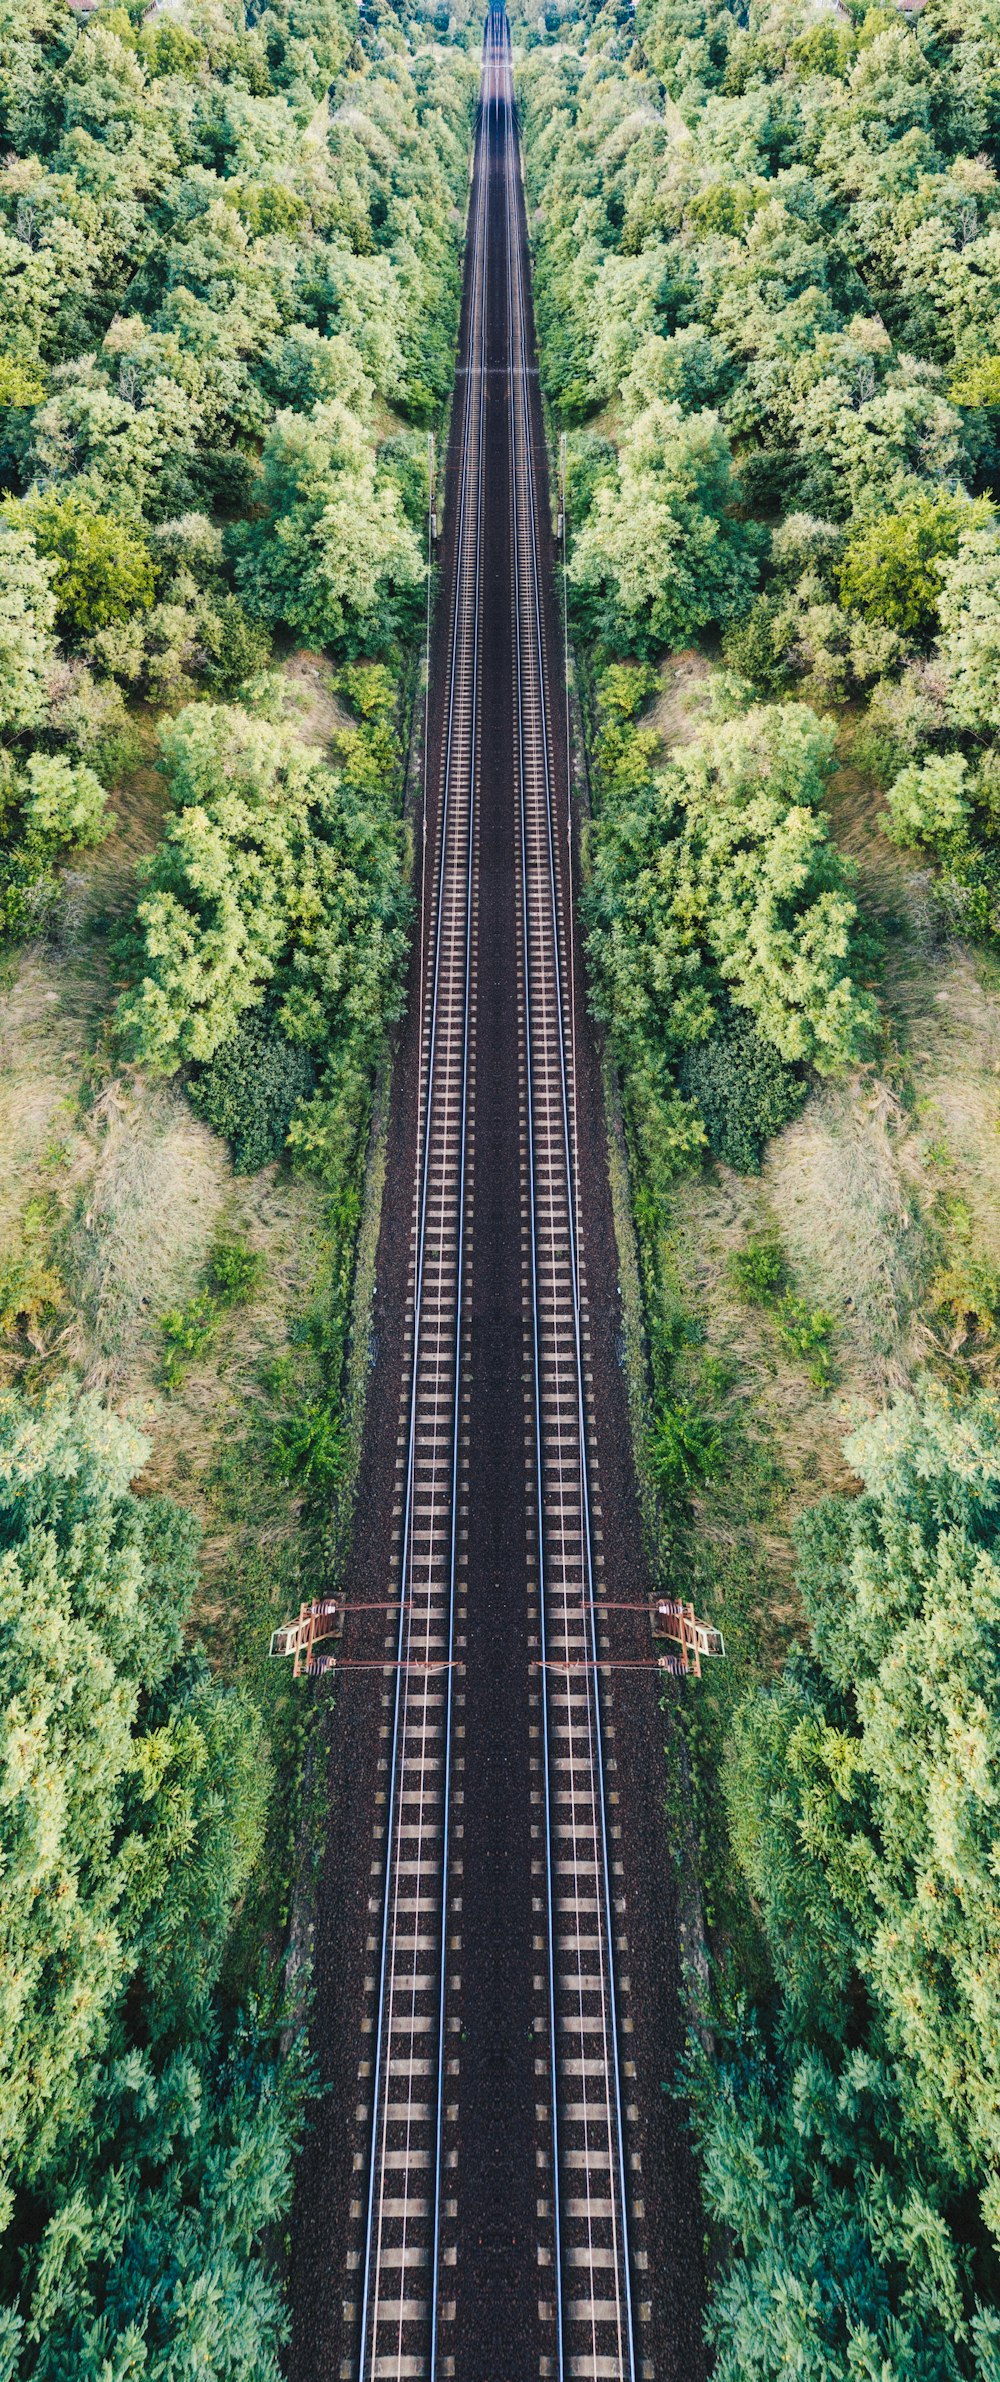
{"type": "Point", "coordinates": [929, 802]}
{"type": "Point", "coordinates": [278, 879]}
{"type": "Point", "coordinates": [888, 569]}
{"type": "Point", "coordinates": [660, 556]}
{"type": "Point", "coordinates": [27, 619]}
{"type": "Point", "coordinates": [103, 568]}
{"type": "Point", "coordinates": [716, 879]}
{"type": "Point", "coordinates": [332, 554]}
{"type": "Point", "coordinates": [142, 2156]}
{"type": "Point", "coordinates": [857, 2154]}
{"type": "Point", "coordinates": [969, 645]}
{"type": "Point", "coordinates": [49, 809]}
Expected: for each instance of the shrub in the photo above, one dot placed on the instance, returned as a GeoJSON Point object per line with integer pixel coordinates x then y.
{"type": "Point", "coordinates": [928, 802]}
{"type": "Point", "coordinates": [685, 1446]}
{"type": "Point", "coordinates": [758, 1272]}
{"type": "Point", "coordinates": [744, 1089]}
{"type": "Point", "coordinates": [311, 1445]}
{"type": "Point", "coordinates": [251, 1089]}
{"type": "Point", "coordinates": [187, 1333]}
{"type": "Point", "coordinates": [236, 648]}
{"type": "Point", "coordinates": [235, 1272]}
{"type": "Point", "coordinates": [806, 1331]}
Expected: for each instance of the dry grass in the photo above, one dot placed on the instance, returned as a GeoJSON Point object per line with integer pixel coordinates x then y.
{"type": "Point", "coordinates": [678, 710]}
{"type": "Point", "coordinates": [144, 1220]}
{"type": "Point", "coordinates": [316, 712]}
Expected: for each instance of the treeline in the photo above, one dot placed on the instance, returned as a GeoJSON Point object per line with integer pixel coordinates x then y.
{"type": "Point", "coordinates": [225, 252]}
{"type": "Point", "coordinates": [229, 285]}
{"type": "Point", "coordinates": [146, 2135]}
{"type": "Point", "coordinates": [768, 267]}
{"type": "Point", "coordinates": [772, 250]}
{"type": "Point", "coordinates": [849, 2138]}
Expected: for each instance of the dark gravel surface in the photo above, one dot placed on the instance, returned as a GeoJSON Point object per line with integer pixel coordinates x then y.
{"type": "Point", "coordinates": [496, 2335]}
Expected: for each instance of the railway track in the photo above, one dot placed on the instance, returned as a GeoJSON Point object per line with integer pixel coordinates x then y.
{"type": "Point", "coordinates": [592, 2301]}
{"type": "Point", "coordinates": [400, 2307]}
{"type": "Point", "coordinates": [410, 2214]}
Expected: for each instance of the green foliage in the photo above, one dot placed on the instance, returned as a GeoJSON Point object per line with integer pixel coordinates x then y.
{"type": "Point", "coordinates": [331, 553]}
{"type": "Point", "coordinates": [251, 1089]}
{"type": "Point", "coordinates": [103, 569]}
{"type": "Point", "coordinates": [716, 884]}
{"type": "Point", "coordinates": [862, 2139]}
{"type": "Point", "coordinates": [310, 1447]}
{"type": "Point", "coordinates": [970, 632]}
{"type": "Point", "coordinates": [684, 1446]}
{"type": "Point", "coordinates": [888, 567]}
{"type": "Point", "coordinates": [758, 1272]}
{"type": "Point", "coordinates": [279, 880]}
{"type": "Point", "coordinates": [135, 1791]}
{"type": "Point", "coordinates": [27, 619]}
{"type": "Point", "coordinates": [743, 1090]}
{"type": "Point", "coordinates": [236, 1272]}
{"type": "Point", "coordinates": [758, 1275]}
{"type": "Point", "coordinates": [187, 1334]}
{"type": "Point", "coordinates": [233, 1277]}
{"type": "Point", "coordinates": [19, 384]}
{"type": "Point", "coordinates": [49, 810]}
{"type": "Point", "coordinates": [807, 1331]}
{"type": "Point", "coordinates": [929, 802]}
{"type": "Point", "coordinates": [660, 556]}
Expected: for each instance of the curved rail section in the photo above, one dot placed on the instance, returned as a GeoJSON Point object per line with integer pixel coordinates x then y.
{"type": "Point", "coordinates": [400, 2260]}
{"type": "Point", "coordinates": [592, 2302]}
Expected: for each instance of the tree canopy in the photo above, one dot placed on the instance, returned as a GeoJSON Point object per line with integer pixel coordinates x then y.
{"type": "Point", "coordinates": [852, 2141]}
{"type": "Point", "coordinates": [144, 2148]}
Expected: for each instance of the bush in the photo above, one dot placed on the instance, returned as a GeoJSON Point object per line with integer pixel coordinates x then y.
{"type": "Point", "coordinates": [758, 1272]}
{"type": "Point", "coordinates": [236, 648]}
{"type": "Point", "coordinates": [744, 1089]}
{"type": "Point", "coordinates": [235, 1272]}
{"type": "Point", "coordinates": [684, 1446]}
{"type": "Point", "coordinates": [928, 803]}
{"type": "Point", "coordinates": [251, 1089]}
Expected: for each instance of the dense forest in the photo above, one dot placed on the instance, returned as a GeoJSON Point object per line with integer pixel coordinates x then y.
{"type": "Point", "coordinates": [229, 259]}
{"type": "Point", "coordinates": [767, 268]}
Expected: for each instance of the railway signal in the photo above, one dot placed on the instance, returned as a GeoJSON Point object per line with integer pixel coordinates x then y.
{"type": "Point", "coordinates": [324, 1618]}
{"type": "Point", "coordinates": [670, 1617]}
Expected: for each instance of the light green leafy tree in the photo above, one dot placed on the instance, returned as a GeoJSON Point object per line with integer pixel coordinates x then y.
{"type": "Point", "coordinates": [848, 2152]}
{"type": "Point", "coordinates": [889, 567]}
{"type": "Point", "coordinates": [27, 620]}
{"type": "Point", "coordinates": [929, 803]}
{"type": "Point", "coordinates": [969, 645]}
{"type": "Point", "coordinates": [719, 874]}
{"type": "Point", "coordinates": [103, 568]}
{"type": "Point", "coordinates": [143, 2156]}
{"type": "Point", "coordinates": [276, 875]}
{"type": "Point", "coordinates": [659, 556]}
{"type": "Point", "coordinates": [332, 555]}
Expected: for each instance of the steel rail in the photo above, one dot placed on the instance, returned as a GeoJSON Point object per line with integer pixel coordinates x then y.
{"type": "Point", "coordinates": [373, 2359]}
{"type": "Point", "coordinates": [530, 660]}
